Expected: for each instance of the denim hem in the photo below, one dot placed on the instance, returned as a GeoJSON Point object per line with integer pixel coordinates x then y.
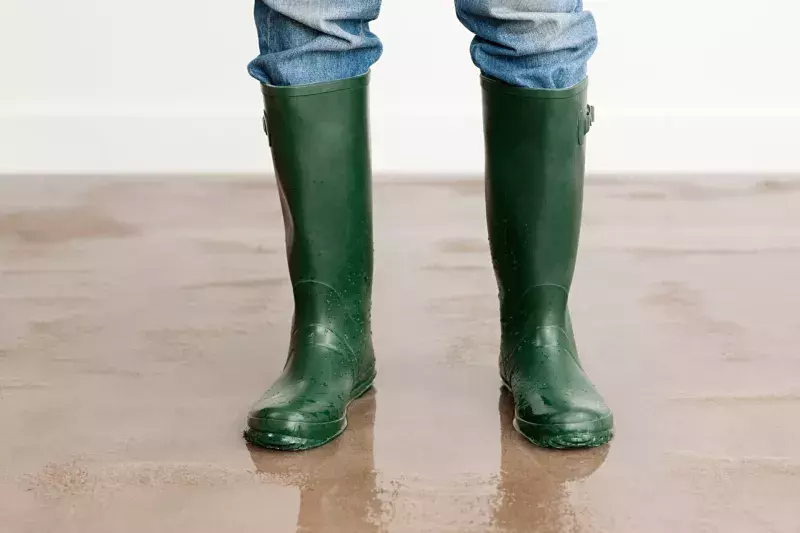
{"type": "Point", "coordinates": [291, 91]}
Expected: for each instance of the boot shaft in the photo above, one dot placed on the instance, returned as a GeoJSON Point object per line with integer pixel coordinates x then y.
{"type": "Point", "coordinates": [319, 136]}
{"type": "Point", "coordinates": [535, 154]}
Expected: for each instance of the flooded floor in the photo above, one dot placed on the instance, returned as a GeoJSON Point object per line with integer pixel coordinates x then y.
{"type": "Point", "coordinates": [140, 319]}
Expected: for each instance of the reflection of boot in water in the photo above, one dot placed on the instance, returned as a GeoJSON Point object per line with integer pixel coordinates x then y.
{"type": "Point", "coordinates": [338, 490]}
{"type": "Point", "coordinates": [534, 486]}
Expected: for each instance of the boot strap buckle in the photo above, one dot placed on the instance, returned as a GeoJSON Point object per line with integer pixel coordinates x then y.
{"type": "Point", "coordinates": [585, 122]}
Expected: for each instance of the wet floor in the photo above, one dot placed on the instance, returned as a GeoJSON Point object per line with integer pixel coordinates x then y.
{"type": "Point", "coordinates": [140, 319]}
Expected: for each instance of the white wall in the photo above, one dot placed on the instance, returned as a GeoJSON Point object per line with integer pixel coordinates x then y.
{"type": "Point", "coordinates": [155, 86]}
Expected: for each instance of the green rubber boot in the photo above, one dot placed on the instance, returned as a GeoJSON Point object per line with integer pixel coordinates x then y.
{"type": "Point", "coordinates": [535, 155]}
{"type": "Point", "coordinates": [320, 148]}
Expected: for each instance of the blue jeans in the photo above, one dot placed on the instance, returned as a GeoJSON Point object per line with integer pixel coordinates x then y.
{"type": "Point", "coordinates": [538, 44]}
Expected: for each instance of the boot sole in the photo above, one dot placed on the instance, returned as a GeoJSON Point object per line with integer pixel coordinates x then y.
{"type": "Point", "coordinates": [305, 435]}
{"type": "Point", "coordinates": [565, 436]}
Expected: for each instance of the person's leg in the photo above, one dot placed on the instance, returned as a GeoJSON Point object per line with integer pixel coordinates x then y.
{"type": "Point", "coordinates": [314, 41]}
{"type": "Point", "coordinates": [533, 56]}
{"type": "Point", "coordinates": [538, 44]}
{"type": "Point", "coordinates": [313, 70]}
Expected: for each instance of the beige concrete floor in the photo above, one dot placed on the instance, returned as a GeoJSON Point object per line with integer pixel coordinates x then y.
{"type": "Point", "coordinates": [139, 320]}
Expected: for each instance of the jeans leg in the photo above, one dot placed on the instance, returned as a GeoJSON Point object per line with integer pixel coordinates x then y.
{"type": "Point", "coordinates": [314, 41]}
{"type": "Point", "coordinates": [537, 44]}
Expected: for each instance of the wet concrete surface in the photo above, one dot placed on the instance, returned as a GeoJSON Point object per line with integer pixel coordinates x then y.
{"type": "Point", "coordinates": [140, 319]}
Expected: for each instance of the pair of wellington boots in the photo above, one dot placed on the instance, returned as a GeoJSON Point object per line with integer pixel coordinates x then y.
{"type": "Point", "coordinates": [535, 153]}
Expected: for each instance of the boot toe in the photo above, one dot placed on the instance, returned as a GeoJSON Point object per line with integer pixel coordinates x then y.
{"type": "Point", "coordinates": [578, 421]}
{"type": "Point", "coordinates": [294, 427]}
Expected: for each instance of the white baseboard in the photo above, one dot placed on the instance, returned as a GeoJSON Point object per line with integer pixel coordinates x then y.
{"type": "Point", "coordinates": [402, 144]}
